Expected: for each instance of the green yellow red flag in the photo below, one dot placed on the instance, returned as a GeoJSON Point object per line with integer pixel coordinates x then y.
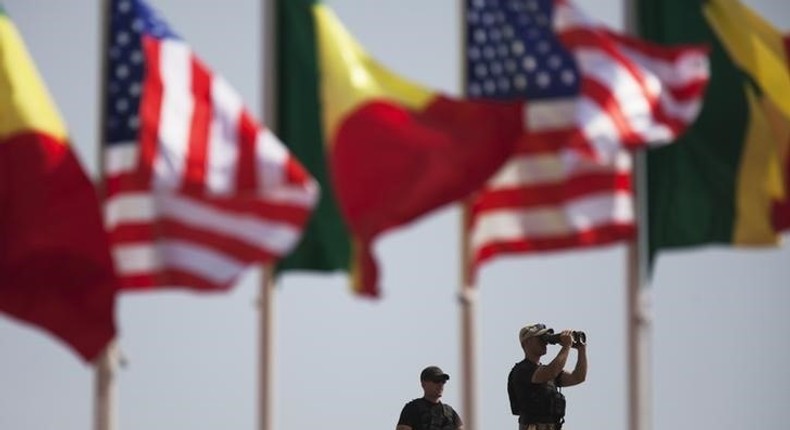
{"type": "Point", "coordinates": [391, 150]}
{"type": "Point", "coordinates": [726, 179]}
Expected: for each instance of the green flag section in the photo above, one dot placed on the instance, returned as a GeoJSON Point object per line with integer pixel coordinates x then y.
{"type": "Point", "coordinates": [721, 184]}
{"type": "Point", "coordinates": [326, 244]}
{"type": "Point", "coordinates": [392, 151]}
{"type": "Point", "coordinates": [55, 267]}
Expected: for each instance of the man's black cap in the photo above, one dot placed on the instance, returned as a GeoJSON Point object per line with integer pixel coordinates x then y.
{"type": "Point", "coordinates": [433, 373]}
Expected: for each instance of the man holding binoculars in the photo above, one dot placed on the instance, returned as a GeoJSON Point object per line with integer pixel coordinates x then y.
{"type": "Point", "coordinates": [533, 388]}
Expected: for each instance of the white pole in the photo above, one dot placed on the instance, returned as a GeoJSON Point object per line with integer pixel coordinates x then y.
{"type": "Point", "coordinates": [266, 350]}
{"type": "Point", "coordinates": [105, 390]}
{"type": "Point", "coordinates": [468, 302]}
{"type": "Point", "coordinates": [639, 319]}
{"type": "Point", "coordinates": [266, 344]}
{"type": "Point", "coordinates": [639, 324]}
{"type": "Point", "coordinates": [107, 363]}
{"type": "Point", "coordinates": [467, 294]}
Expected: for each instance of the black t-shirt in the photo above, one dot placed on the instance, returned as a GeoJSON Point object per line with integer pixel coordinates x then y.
{"type": "Point", "coordinates": [422, 414]}
{"type": "Point", "coordinates": [533, 403]}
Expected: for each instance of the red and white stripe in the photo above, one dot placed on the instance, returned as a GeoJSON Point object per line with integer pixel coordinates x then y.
{"type": "Point", "coordinates": [538, 201]}
{"type": "Point", "coordinates": [206, 191]}
{"type": "Point", "coordinates": [548, 197]}
{"type": "Point", "coordinates": [633, 93]}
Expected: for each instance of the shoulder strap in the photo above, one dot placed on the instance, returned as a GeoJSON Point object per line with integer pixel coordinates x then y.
{"type": "Point", "coordinates": [428, 423]}
{"type": "Point", "coordinates": [448, 411]}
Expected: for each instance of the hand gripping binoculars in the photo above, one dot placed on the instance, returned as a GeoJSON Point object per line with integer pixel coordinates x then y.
{"type": "Point", "coordinates": [579, 337]}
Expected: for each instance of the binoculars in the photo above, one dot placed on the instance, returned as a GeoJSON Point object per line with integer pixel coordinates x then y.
{"type": "Point", "coordinates": [579, 337]}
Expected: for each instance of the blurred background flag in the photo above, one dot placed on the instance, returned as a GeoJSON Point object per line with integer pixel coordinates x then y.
{"type": "Point", "coordinates": [326, 246]}
{"type": "Point", "coordinates": [726, 181]}
{"type": "Point", "coordinates": [589, 91]}
{"type": "Point", "coordinates": [55, 267]}
{"type": "Point", "coordinates": [781, 206]}
{"type": "Point", "coordinates": [764, 53]}
{"type": "Point", "coordinates": [197, 190]}
{"type": "Point", "coordinates": [386, 149]}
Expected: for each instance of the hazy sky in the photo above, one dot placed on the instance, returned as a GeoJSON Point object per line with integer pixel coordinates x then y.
{"type": "Point", "coordinates": [720, 330]}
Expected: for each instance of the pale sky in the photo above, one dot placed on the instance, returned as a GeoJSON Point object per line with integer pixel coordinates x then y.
{"type": "Point", "coordinates": [720, 327]}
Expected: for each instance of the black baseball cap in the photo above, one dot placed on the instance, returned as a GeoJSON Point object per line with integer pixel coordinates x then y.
{"type": "Point", "coordinates": [433, 373]}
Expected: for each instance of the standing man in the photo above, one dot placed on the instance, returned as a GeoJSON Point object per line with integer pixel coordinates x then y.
{"type": "Point", "coordinates": [427, 412]}
{"type": "Point", "coordinates": [533, 387]}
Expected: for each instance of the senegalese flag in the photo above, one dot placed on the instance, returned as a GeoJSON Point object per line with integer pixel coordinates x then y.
{"type": "Point", "coordinates": [385, 149]}
{"type": "Point", "coordinates": [764, 54]}
{"type": "Point", "coordinates": [55, 267]}
{"type": "Point", "coordinates": [720, 185]}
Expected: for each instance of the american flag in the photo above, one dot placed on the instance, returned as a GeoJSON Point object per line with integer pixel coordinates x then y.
{"type": "Point", "coordinates": [196, 189]}
{"type": "Point", "coordinates": [591, 95]}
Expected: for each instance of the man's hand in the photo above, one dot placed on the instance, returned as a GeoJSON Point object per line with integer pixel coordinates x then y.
{"type": "Point", "coordinates": [566, 339]}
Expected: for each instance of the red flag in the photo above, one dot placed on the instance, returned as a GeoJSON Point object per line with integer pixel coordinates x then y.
{"type": "Point", "coordinates": [398, 151]}
{"type": "Point", "coordinates": [55, 266]}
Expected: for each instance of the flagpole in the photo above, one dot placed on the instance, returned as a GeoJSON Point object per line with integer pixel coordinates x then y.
{"type": "Point", "coordinates": [266, 344]}
{"type": "Point", "coordinates": [639, 320]}
{"type": "Point", "coordinates": [468, 302]}
{"type": "Point", "coordinates": [467, 294]}
{"type": "Point", "coordinates": [639, 334]}
{"type": "Point", "coordinates": [105, 389]}
{"type": "Point", "coordinates": [638, 296]}
{"type": "Point", "coordinates": [265, 348]}
{"type": "Point", "coordinates": [105, 392]}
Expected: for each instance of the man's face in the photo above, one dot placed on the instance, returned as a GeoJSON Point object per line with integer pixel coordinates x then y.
{"type": "Point", "coordinates": [434, 387]}
{"type": "Point", "coordinates": [536, 345]}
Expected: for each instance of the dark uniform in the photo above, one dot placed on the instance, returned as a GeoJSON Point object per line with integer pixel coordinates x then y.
{"type": "Point", "coordinates": [422, 414]}
{"type": "Point", "coordinates": [540, 404]}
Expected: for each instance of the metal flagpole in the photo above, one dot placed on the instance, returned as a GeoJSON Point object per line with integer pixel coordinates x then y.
{"type": "Point", "coordinates": [467, 294]}
{"type": "Point", "coordinates": [265, 350]}
{"type": "Point", "coordinates": [468, 302]}
{"type": "Point", "coordinates": [266, 343]}
{"type": "Point", "coordinates": [639, 318]}
{"type": "Point", "coordinates": [107, 363]}
{"type": "Point", "coordinates": [105, 389]}
{"type": "Point", "coordinates": [639, 296]}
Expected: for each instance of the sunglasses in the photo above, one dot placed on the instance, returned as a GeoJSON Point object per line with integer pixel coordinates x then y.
{"type": "Point", "coordinates": [438, 381]}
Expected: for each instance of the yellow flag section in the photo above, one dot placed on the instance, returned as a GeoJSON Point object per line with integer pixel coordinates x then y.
{"type": "Point", "coordinates": [759, 50]}
{"type": "Point", "coordinates": [397, 151]}
{"type": "Point", "coordinates": [350, 77]}
{"type": "Point", "coordinates": [55, 267]}
{"type": "Point", "coordinates": [26, 103]}
{"type": "Point", "coordinates": [754, 45]}
{"type": "Point", "coordinates": [760, 181]}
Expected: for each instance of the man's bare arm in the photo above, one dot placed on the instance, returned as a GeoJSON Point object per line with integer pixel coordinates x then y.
{"type": "Point", "coordinates": [550, 371]}
{"type": "Point", "coordinates": [579, 373]}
